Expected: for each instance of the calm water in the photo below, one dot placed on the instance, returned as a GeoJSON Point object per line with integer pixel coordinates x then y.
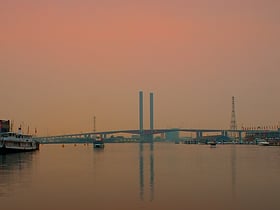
{"type": "Point", "coordinates": [133, 176]}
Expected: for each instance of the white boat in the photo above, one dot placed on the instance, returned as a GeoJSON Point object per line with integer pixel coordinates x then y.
{"type": "Point", "coordinates": [262, 142]}
{"type": "Point", "coordinates": [98, 142]}
{"type": "Point", "coordinates": [212, 143]}
{"type": "Point", "coordinates": [17, 142]}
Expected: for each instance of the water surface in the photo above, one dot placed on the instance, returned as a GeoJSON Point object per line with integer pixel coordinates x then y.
{"type": "Point", "coordinates": [142, 176]}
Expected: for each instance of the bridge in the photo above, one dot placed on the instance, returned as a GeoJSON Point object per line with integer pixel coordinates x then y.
{"type": "Point", "coordinates": [143, 134]}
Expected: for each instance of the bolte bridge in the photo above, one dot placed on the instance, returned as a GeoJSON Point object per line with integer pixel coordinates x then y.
{"type": "Point", "coordinates": [139, 135]}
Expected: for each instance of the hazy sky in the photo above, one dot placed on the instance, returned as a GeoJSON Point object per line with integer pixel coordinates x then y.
{"type": "Point", "coordinates": [64, 61]}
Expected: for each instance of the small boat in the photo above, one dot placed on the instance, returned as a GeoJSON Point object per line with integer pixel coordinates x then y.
{"type": "Point", "coordinates": [262, 142]}
{"type": "Point", "coordinates": [212, 143]}
{"type": "Point", "coordinates": [98, 142]}
{"type": "Point", "coordinates": [17, 142]}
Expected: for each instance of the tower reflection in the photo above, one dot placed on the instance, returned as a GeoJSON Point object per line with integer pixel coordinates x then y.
{"type": "Point", "coordinates": [15, 169]}
{"type": "Point", "coordinates": [141, 170]}
{"type": "Point", "coordinates": [152, 171]}
{"type": "Point", "coordinates": [233, 171]}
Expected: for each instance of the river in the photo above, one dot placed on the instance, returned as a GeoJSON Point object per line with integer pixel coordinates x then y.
{"type": "Point", "coordinates": [132, 176]}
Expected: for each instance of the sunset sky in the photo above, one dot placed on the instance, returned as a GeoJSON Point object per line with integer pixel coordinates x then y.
{"type": "Point", "coordinates": [64, 61]}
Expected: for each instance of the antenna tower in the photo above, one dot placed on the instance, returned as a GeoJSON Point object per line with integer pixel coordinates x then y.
{"type": "Point", "coordinates": [233, 125]}
{"type": "Point", "coordinates": [94, 121]}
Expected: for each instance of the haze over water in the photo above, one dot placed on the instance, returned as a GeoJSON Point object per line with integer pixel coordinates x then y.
{"type": "Point", "coordinates": [162, 176]}
{"type": "Point", "coordinates": [62, 62]}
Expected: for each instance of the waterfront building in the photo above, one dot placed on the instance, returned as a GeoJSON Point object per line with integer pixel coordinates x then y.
{"type": "Point", "coordinates": [172, 136]}
{"type": "Point", "coordinates": [273, 137]}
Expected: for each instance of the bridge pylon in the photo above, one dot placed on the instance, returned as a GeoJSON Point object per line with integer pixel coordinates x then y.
{"type": "Point", "coordinates": [141, 117]}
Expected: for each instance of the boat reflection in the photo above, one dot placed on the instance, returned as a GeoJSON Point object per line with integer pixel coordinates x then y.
{"type": "Point", "coordinates": [151, 171]}
{"type": "Point", "coordinates": [15, 171]}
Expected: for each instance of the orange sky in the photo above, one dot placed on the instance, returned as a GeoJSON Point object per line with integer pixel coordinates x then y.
{"type": "Point", "coordinates": [62, 62]}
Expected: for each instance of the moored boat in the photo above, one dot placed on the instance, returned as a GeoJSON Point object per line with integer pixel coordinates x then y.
{"type": "Point", "coordinates": [262, 142]}
{"type": "Point", "coordinates": [98, 142]}
{"type": "Point", "coordinates": [16, 142]}
{"type": "Point", "coordinates": [212, 143]}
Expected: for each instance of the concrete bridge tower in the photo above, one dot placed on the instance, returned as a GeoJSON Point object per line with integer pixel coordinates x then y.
{"type": "Point", "coordinates": [152, 114]}
{"type": "Point", "coordinates": [141, 111]}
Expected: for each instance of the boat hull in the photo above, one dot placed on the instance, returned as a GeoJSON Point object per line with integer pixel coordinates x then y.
{"type": "Point", "coordinates": [263, 143]}
{"type": "Point", "coordinates": [4, 150]}
{"type": "Point", "coordinates": [212, 143]}
{"type": "Point", "coordinates": [98, 145]}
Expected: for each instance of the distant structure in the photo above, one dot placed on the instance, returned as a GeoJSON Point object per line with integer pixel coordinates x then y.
{"type": "Point", "coordinates": [141, 128]}
{"type": "Point", "coordinates": [152, 111]}
{"type": "Point", "coordinates": [4, 126]}
{"type": "Point", "coordinates": [172, 136]}
{"type": "Point", "coordinates": [233, 124]}
{"type": "Point", "coordinates": [94, 126]}
{"type": "Point", "coordinates": [141, 112]}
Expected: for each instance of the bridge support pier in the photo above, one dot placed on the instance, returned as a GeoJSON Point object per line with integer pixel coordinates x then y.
{"type": "Point", "coordinates": [224, 133]}
{"type": "Point", "coordinates": [199, 135]}
{"type": "Point", "coordinates": [150, 137]}
{"type": "Point", "coordinates": [240, 137]}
